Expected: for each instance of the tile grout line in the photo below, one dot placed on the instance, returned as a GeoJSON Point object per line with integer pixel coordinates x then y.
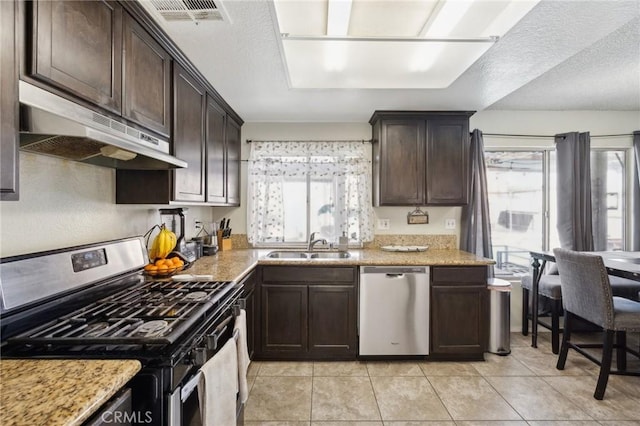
{"type": "Point", "coordinates": [373, 389]}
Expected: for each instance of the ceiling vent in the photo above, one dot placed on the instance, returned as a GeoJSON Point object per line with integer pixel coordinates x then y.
{"type": "Point", "coordinates": [191, 10]}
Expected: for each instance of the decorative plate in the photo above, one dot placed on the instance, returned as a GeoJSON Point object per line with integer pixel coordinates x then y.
{"type": "Point", "coordinates": [405, 248]}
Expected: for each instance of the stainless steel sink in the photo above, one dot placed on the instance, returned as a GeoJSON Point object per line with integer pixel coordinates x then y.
{"type": "Point", "coordinates": [280, 254]}
{"type": "Point", "coordinates": [287, 255]}
{"type": "Point", "coordinates": [330, 255]}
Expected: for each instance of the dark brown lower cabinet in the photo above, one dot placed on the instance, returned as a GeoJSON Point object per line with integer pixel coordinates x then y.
{"type": "Point", "coordinates": [332, 315]}
{"type": "Point", "coordinates": [284, 320]}
{"type": "Point", "coordinates": [459, 312]}
{"type": "Point", "coordinates": [307, 313]}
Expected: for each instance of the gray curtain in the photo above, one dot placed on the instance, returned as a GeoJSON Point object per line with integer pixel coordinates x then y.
{"type": "Point", "coordinates": [574, 191]}
{"type": "Point", "coordinates": [635, 208]}
{"type": "Point", "coordinates": [475, 233]}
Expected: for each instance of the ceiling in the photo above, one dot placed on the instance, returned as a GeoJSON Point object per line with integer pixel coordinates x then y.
{"type": "Point", "coordinates": [563, 55]}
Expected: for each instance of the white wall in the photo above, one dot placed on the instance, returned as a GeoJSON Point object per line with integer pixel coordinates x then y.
{"type": "Point", "coordinates": [65, 203]}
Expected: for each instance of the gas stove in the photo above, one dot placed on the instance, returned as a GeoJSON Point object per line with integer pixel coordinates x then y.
{"type": "Point", "coordinates": [93, 301]}
{"type": "Point", "coordinates": [151, 313]}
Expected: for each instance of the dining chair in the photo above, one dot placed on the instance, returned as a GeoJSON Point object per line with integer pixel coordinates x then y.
{"type": "Point", "coordinates": [587, 293]}
{"type": "Point", "coordinates": [549, 288]}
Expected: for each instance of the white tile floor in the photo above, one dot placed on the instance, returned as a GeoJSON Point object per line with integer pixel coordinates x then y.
{"type": "Point", "coordinates": [523, 388]}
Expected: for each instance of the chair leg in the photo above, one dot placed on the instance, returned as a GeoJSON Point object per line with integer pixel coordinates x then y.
{"type": "Point", "coordinates": [621, 350]}
{"type": "Point", "coordinates": [556, 307]}
{"type": "Point", "coordinates": [525, 312]}
{"type": "Point", "coordinates": [605, 366]}
{"type": "Point", "coordinates": [566, 335]}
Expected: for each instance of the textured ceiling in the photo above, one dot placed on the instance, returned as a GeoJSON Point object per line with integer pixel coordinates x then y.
{"type": "Point", "coordinates": [563, 55]}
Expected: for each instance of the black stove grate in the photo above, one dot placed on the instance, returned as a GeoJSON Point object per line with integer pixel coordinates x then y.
{"type": "Point", "coordinates": [151, 313]}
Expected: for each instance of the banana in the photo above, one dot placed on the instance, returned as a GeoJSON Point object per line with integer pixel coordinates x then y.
{"type": "Point", "coordinates": [162, 244]}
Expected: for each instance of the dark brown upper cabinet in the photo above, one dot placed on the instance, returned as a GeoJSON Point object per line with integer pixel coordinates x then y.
{"type": "Point", "coordinates": [146, 79]}
{"type": "Point", "coordinates": [233, 162]}
{"type": "Point", "coordinates": [8, 103]}
{"type": "Point", "coordinates": [77, 47]}
{"type": "Point", "coordinates": [216, 149]}
{"type": "Point", "coordinates": [420, 158]}
{"type": "Point", "coordinates": [188, 136]}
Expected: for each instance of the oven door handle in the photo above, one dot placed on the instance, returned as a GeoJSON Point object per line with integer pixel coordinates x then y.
{"type": "Point", "coordinates": [190, 386]}
{"type": "Point", "coordinates": [213, 338]}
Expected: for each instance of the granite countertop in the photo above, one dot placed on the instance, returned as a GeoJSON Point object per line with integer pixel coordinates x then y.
{"type": "Point", "coordinates": [58, 392]}
{"type": "Point", "coordinates": [234, 264]}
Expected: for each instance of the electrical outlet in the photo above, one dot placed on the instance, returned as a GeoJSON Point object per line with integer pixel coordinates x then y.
{"type": "Point", "coordinates": [450, 224]}
{"type": "Point", "coordinates": [198, 224]}
{"type": "Point", "coordinates": [383, 223]}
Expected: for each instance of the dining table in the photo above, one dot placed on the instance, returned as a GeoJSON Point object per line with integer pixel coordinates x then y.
{"type": "Point", "coordinates": [625, 264]}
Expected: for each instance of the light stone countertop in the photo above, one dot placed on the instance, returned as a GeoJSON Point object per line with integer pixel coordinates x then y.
{"type": "Point", "coordinates": [58, 392]}
{"type": "Point", "coordinates": [234, 264]}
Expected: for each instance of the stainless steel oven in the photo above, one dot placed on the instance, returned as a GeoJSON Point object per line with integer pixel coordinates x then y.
{"type": "Point", "coordinates": [93, 301]}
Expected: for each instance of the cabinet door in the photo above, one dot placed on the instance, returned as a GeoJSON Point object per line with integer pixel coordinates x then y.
{"type": "Point", "coordinates": [332, 321]}
{"type": "Point", "coordinates": [77, 47]}
{"type": "Point", "coordinates": [232, 136]}
{"type": "Point", "coordinates": [216, 153]}
{"type": "Point", "coordinates": [284, 321]}
{"type": "Point", "coordinates": [147, 79]}
{"type": "Point", "coordinates": [9, 157]}
{"type": "Point", "coordinates": [447, 161]}
{"type": "Point", "coordinates": [188, 136]}
{"type": "Point", "coordinates": [459, 320]}
{"type": "Point", "coordinates": [459, 311]}
{"type": "Point", "coordinates": [402, 175]}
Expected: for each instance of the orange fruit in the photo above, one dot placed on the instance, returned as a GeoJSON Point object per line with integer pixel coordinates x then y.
{"type": "Point", "coordinates": [160, 262]}
{"type": "Point", "coordinates": [150, 267]}
{"type": "Point", "coordinates": [177, 261]}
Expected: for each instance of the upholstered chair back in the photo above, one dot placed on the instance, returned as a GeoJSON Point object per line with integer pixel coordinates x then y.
{"type": "Point", "coordinates": [586, 291]}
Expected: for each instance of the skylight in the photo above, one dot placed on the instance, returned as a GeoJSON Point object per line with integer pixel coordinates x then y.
{"type": "Point", "coordinates": [385, 44]}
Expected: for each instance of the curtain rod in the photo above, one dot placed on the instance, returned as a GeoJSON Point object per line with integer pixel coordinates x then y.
{"type": "Point", "coordinates": [553, 136]}
{"type": "Point", "coordinates": [345, 140]}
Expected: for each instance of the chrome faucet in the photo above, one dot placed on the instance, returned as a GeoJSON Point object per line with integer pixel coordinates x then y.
{"type": "Point", "coordinates": [313, 242]}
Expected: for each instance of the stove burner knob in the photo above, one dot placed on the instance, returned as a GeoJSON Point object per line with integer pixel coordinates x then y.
{"type": "Point", "coordinates": [199, 356]}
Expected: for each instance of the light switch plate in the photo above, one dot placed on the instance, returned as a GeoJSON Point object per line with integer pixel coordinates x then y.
{"type": "Point", "coordinates": [384, 223]}
{"type": "Point", "coordinates": [450, 224]}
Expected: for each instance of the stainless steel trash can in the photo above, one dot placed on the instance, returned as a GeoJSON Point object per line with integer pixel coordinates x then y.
{"type": "Point", "coordinates": [500, 316]}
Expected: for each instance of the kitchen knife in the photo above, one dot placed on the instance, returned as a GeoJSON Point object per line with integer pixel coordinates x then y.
{"type": "Point", "coordinates": [222, 224]}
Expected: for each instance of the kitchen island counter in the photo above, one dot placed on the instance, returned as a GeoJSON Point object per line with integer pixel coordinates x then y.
{"type": "Point", "coordinates": [58, 392]}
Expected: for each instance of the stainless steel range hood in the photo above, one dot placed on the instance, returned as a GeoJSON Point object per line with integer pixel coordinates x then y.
{"type": "Point", "coordinates": [52, 125]}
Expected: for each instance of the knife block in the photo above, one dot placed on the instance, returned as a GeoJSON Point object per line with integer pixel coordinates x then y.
{"type": "Point", "coordinates": [224, 243]}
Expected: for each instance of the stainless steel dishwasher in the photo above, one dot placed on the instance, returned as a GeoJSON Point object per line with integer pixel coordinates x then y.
{"type": "Point", "coordinates": [394, 310]}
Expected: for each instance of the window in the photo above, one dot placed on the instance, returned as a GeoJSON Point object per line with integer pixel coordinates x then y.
{"type": "Point", "coordinates": [520, 188]}
{"type": "Point", "coordinates": [515, 183]}
{"type": "Point", "coordinates": [296, 188]}
{"type": "Point", "coordinates": [607, 199]}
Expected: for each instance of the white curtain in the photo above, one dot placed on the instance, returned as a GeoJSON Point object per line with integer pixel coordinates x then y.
{"type": "Point", "coordinates": [273, 163]}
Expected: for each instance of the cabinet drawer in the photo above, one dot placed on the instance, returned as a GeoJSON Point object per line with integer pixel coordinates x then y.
{"type": "Point", "coordinates": [451, 275]}
{"type": "Point", "coordinates": [308, 274]}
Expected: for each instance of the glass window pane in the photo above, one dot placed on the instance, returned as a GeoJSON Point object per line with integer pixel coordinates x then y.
{"type": "Point", "coordinates": [607, 199]}
{"type": "Point", "coordinates": [294, 198]}
{"type": "Point", "coordinates": [322, 209]}
{"type": "Point", "coordinates": [515, 186]}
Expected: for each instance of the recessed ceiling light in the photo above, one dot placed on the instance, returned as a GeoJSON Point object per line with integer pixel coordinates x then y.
{"type": "Point", "coordinates": [400, 51]}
